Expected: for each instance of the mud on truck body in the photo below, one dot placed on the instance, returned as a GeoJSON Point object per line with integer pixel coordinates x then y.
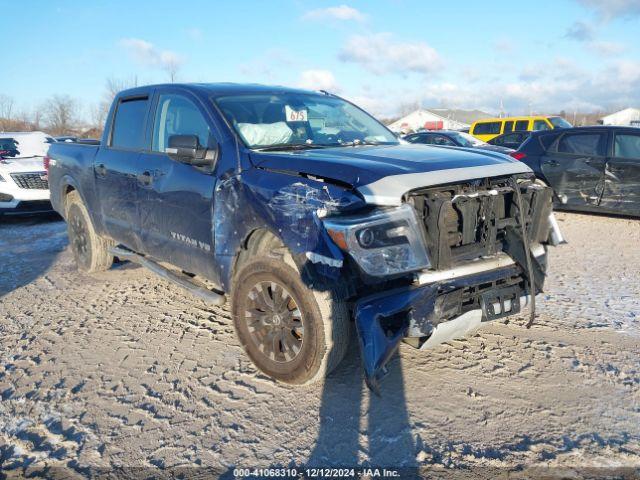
{"type": "Point", "coordinates": [310, 216]}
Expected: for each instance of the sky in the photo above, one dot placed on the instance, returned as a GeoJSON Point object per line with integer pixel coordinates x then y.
{"type": "Point", "coordinates": [538, 56]}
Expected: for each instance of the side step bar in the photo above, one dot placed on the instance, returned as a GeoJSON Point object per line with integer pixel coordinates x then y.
{"type": "Point", "coordinates": [180, 279]}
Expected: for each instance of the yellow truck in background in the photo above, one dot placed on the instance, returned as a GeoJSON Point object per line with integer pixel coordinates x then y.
{"type": "Point", "coordinates": [488, 128]}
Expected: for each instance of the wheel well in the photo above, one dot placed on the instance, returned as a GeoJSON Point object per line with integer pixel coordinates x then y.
{"type": "Point", "coordinates": [65, 194]}
{"type": "Point", "coordinates": [258, 242]}
{"type": "Point", "coordinates": [66, 191]}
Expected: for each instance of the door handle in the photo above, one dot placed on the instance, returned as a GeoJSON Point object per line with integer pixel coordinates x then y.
{"type": "Point", "coordinates": [552, 162]}
{"type": "Point", "coordinates": [101, 169]}
{"type": "Point", "coordinates": [145, 178]}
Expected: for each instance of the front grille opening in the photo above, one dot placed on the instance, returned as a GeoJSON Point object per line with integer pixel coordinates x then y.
{"type": "Point", "coordinates": [31, 180]}
{"type": "Point", "coordinates": [468, 221]}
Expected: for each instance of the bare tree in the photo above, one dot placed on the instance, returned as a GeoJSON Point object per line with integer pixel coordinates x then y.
{"type": "Point", "coordinates": [22, 121]}
{"type": "Point", "coordinates": [36, 118]}
{"type": "Point", "coordinates": [115, 85]}
{"type": "Point", "coordinates": [100, 110]}
{"type": "Point", "coordinates": [112, 87]}
{"type": "Point", "coordinates": [171, 66]}
{"type": "Point", "coordinates": [6, 111]}
{"type": "Point", "coordinates": [98, 114]}
{"type": "Point", "coordinates": [60, 114]}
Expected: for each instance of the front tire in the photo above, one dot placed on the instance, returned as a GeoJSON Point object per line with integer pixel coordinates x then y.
{"type": "Point", "coordinates": [90, 251]}
{"type": "Point", "coordinates": [291, 332]}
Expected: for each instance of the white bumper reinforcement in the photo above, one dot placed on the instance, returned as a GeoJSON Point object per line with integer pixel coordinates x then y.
{"type": "Point", "coordinates": [463, 325]}
{"type": "Point", "coordinates": [499, 260]}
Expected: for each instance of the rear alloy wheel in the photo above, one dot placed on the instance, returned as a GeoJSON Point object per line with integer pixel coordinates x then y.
{"type": "Point", "coordinates": [90, 251]}
{"type": "Point", "coordinates": [79, 236]}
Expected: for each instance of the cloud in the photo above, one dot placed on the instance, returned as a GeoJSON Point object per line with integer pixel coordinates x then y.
{"type": "Point", "coordinates": [268, 65]}
{"type": "Point", "coordinates": [586, 33]}
{"type": "Point", "coordinates": [580, 31]}
{"type": "Point", "coordinates": [606, 49]}
{"type": "Point", "coordinates": [341, 12]}
{"type": "Point", "coordinates": [318, 80]}
{"type": "Point", "coordinates": [564, 85]}
{"type": "Point", "coordinates": [626, 71]}
{"type": "Point", "coordinates": [380, 53]}
{"type": "Point", "coordinates": [610, 9]}
{"type": "Point", "coordinates": [529, 73]}
{"type": "Point", "coordinates": [146, 54]}
{"type": "Point", "coordinates": [549, 87]}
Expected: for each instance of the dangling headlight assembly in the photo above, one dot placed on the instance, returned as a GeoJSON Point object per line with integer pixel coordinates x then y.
{"type": "Point", "coordinates": [385, 242]}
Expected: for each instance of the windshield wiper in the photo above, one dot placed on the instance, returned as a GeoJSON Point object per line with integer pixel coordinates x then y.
{"type": "Point", "coordinates": [289, 146]}
{"type": "Point", "coordinates": [357, 143]}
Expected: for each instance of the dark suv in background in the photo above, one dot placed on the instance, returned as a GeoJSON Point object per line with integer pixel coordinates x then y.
{"type": "Point", "coordinates": [589, 168]}
{"type": "Point", "coordinates": [511, 140]}
{"type": "Point", "coordinates": [453, 138]}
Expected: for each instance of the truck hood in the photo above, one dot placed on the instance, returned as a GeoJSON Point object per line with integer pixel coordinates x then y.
{"type": "Point", "coordinates": [27, 164]}
{"type": "Point", "coordinates": [382, 174]}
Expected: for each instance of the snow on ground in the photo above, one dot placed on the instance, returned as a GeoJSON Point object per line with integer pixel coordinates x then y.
{"type": "Point", "coordinates": [122, 369]}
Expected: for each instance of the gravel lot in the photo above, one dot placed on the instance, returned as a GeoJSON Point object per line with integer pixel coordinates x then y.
{"type": "Point", "coordinates": [122, 369]}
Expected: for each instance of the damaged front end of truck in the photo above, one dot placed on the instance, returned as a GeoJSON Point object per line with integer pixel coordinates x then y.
{"type": "Point", "coordinates": [425, 266]}
{"type": "Point", "coordinates": [444, 261]}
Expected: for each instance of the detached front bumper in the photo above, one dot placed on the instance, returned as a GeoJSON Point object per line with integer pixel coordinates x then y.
{"type": "Point", "coordinates": [439, 307]}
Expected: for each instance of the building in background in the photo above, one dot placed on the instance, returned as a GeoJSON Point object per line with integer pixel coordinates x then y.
{"type": "Point", "coordinates": [436, 119]}
{"type": "Point", "coordinates": [627, 117]}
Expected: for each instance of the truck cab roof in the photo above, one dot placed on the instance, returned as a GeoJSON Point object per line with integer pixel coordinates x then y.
{"type": "Point", "coordinates": [219, 89]}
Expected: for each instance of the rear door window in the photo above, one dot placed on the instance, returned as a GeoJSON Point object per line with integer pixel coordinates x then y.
{"type": "Point", "coordinates": [590, 143]}
{"type": "Point", "coordinates": [128, 125]}
{"type": "Point", "coordinates": [442, 140]}
{"type": "Point", "coordinates": [487, 128]}
{"type": "Point", "coordinates": [522, 125]}
{"type": "Point", "coordinates": [547, 140]}
{"type": "Point", "coordinates": [626, 146]}
{"type": "Point", "coordinates": [418, 139]}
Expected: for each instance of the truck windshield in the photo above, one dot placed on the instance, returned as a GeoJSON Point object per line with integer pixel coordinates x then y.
{"type": "Point", "coordinates": [297, 119]}
{"type": "Point", "coordinates": [466, 140]}
{"type": "Point", "coordinates": [559, 122]}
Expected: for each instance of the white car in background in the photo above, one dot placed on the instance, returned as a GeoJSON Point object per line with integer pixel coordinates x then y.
{"type": "Point", "coordinates": [23, 180]}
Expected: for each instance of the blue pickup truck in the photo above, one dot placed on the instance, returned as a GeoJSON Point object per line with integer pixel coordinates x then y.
{"type": "Point", "coordinates": [310, 216]}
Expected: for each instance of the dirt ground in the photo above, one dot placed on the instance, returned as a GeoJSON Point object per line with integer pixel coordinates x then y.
{"type": "Point", "coordinates": [122, 369]}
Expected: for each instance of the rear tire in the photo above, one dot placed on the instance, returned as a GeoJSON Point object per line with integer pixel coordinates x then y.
{"type": "Point", "coordinates": [291, 332]}
{"type": "Point", "coordinates": [90, 250]}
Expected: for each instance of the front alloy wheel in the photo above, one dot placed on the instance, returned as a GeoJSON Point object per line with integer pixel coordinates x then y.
{"type": "Point", "coordinates": [290, 332]}
{"type": "Point", "coordinates": [274, 321]}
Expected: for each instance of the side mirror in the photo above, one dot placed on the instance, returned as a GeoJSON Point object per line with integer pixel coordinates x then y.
{"type": "Point", "coordinates": [187, 149]}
